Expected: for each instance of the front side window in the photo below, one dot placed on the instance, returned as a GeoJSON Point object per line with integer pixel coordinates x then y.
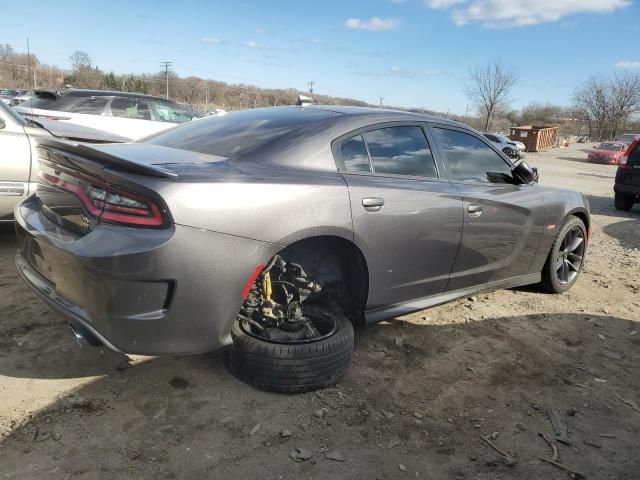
{"type": "Point", "coordinates": [400, 150]}
{"type": "Point", "coordinates": [165, 112]}
{"type": "Point", "coordinates": [467, 158]}
{"type": "Point", "coordinates": [92, 106]}
{"type": "Point", "coordinates": [125, 107]}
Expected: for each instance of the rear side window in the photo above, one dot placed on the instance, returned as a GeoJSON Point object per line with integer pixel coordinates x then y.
{"type": "Point", "coordinates": [401, 151]}
{"type": "Point", "coordinates": [354, 155]}
{"type": "Point", "coordinates": [92, 106]}
{"type": "Point", "coordinates": [468, 158]}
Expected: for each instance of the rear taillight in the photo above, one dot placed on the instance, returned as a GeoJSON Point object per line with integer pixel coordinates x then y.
{"type": "Point", "coordinates": [625, 157]}
{"type": "Point", "coordinates": [111, 204]}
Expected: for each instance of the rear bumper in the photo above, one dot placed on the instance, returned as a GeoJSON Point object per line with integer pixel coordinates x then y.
{"type": "Point", "coordinates": [150, 292]}
{"type": "Point", "coordinates": [625, 189]}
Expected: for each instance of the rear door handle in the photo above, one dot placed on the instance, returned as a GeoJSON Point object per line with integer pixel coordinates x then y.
{"type": "Point", "coordinates": [474, 210]}
{"type": "Point", "coordinates": [372, 204]}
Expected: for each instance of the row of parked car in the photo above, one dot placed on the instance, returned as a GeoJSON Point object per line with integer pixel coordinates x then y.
{"type": "Point", "coordinates": [90, 116]}
{"type": "Point", "coordinates": [11, 96]}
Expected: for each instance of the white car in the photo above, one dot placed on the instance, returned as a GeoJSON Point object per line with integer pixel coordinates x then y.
{"type": "Point", "coordinates": [18, 164]}
{"type": "Point", "coordinates": [503, 142]}
{"type": "Point", "coordinates": [131, 115]}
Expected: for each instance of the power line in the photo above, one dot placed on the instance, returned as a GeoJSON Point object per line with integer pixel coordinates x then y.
{"type": "Point", "coordinates": [311, 84]}
{"type": "Point", "coordinates": [380, 104]}
{"type": "Point", "coordinates": [166, 66]}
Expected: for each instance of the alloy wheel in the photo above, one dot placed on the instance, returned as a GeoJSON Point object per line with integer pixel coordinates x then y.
{"type": "Point", "coordinates": [570, 255]}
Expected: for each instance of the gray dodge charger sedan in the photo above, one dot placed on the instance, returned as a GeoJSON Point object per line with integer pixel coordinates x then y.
{"type": "Point", "coordinates": [274, 231]}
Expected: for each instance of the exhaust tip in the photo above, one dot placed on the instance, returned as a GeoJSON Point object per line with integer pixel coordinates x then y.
{"type": "Point", "coordinates": [84, 337]}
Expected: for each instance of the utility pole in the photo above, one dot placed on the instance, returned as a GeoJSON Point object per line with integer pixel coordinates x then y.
{"type": "Point", "coordinates": [380, 104]}
{"type": "Point", "coordinates": [29, 64]}
{"type": "Point", "coordinates": [166, 66]}
{"type": "Point", "coordinates": [206, 97]}
{"type": "Point", "coordinates": [311, 84]}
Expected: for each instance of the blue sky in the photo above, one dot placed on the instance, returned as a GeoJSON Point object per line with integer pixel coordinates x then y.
{"type": "Point", "coordinates": [411, 52]}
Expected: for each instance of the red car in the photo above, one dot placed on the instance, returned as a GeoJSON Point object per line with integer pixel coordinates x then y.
{"type": "Point", "coordinates": [607, 152]}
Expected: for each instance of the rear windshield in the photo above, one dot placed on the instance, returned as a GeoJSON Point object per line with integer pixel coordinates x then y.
{"type": "Point", "coordinates": [237, 133]}
{"type": "Point", "coordinates": [615, 147]}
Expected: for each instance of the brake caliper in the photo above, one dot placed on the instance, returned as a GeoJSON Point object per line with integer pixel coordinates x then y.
{"type": "Point", "coordinates": [273, 308]}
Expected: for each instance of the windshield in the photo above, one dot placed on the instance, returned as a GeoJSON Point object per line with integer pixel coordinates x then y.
{"type": "Point", "coordinates": [614, 147]}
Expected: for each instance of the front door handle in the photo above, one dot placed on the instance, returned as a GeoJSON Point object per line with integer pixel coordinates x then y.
{"type": "Point", "coordinates": [372, 204]}
{"type": "Point", "coordinates": [12, 189]}
{"type": "Point", "coordinates": [474, 210]}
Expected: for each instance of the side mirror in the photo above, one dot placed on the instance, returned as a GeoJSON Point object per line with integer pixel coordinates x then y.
{"type": "Point", "coordinates": [523, 173]}
{"type": "Point", "coordinates": [2, 123]}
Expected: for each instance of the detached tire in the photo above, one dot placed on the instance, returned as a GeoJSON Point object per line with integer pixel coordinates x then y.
{"type": "Point", "coordinates": [293, 367]}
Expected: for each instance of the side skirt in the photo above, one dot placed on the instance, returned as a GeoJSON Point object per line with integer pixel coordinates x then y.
{"type": "Point", "coordinates": [384, 313]}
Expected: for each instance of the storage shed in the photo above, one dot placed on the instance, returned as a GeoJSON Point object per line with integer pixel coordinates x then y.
{"type": "Point", "coordinates": [534, 137]}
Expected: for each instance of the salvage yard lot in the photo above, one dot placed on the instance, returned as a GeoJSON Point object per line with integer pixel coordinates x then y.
{"type": "Point", "coordinates": [423, 389]}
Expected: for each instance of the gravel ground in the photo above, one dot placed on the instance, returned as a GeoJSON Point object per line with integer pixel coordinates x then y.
{"type": "Point", "coordinates": [423, 391]}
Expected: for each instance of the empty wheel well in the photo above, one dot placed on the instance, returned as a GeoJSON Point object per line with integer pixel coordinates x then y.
{"type": "Point", "coordinates": [339, 267]}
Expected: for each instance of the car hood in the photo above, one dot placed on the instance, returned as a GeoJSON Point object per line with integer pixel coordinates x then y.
{"type": "Point", "coordinates": [79, 133]}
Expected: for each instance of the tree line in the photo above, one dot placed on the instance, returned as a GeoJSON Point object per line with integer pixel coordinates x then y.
{"type": "Point", "coordinates": [601, 107]}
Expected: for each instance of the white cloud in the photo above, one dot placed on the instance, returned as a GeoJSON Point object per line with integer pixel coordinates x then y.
{"type": "Point", "coordinates": [628, 64]}
{"type": "Point", "coordinates": [519, 13]}
{"type": "Point", "coordinates": [374, 24]}
{"type": "Point", "coordinates": [441, 4]}
{"type": "Point", "coordinates": [211, 40]}
{"type": "Point", "coordinates": [249, 44]}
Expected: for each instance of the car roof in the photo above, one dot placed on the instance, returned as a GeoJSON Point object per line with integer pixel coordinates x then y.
{"type": "Point", "coordinates": [83, 92]}
{"type": "Point", "coordinates": [375, 112]}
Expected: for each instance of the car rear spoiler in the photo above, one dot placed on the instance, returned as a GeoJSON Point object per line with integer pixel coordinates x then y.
{"type": "Point", "coordinates": [78, 151]}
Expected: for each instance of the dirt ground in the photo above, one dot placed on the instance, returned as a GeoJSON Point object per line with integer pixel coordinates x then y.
{"type": "Point", "coordinates": [423, 389]}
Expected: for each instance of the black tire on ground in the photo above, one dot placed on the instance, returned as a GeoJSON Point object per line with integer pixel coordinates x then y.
{"type": "Point", "coordinates": [550, 279]}
{"type": "Point", "coordinates": [623, 202]}
{"type": "Point", "coordinates": [293, 368]}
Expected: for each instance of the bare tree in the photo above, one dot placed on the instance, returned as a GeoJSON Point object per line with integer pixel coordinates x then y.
{"type": "Point", "coordinates": [489, 88]}
{"type": "Point", "coordinates": [624, 100]}
{"type": "Point", "coordinates": [79, 60]}
{"type": "Point", "coordinates": [607, 105]}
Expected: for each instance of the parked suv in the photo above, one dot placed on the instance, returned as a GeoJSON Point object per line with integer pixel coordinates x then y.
{"type": "Point", "coordinates": [627, 186]}
{"type": "Point", "coordinates": [131, 115]}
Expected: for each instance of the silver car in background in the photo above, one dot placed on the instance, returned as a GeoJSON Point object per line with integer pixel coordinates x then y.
{"type": "Point", "coordinates": [273, 231]}
{"type": "Point", "coordinates": [18, 161]}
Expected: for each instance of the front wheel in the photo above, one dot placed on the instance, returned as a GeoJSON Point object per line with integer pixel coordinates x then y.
{"type": "Point", "coordinates": [623, 202]}
{"type": "Point", "coordinates": [566, 257]}
{"type": "Point", "coordinates": [294, 366]}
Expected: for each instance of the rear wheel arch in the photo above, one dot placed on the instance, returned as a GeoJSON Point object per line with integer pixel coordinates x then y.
{"type": "Point", "coordinates": [339, 266]}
